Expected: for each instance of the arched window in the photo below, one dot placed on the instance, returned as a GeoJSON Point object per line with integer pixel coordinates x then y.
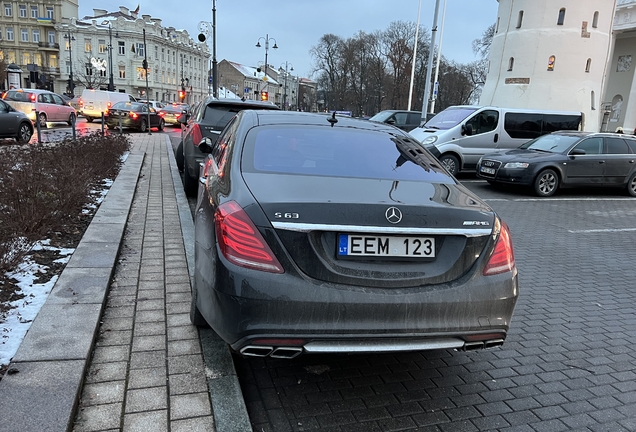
{"type": "Point", "coordinates": [561, 16]}
{"type": "Point", "coordinates": [519, 19]}
{"type": "Point", "coordinates": [592, 100]}
{"type": "Point", "coordinates": [551, 62]}
{"type": "Point", "coordinates": [588, 64]}
{"type": "Point", "coordinates": [511, 63]}
{"type": "Point", "coordinates": [595, 20]}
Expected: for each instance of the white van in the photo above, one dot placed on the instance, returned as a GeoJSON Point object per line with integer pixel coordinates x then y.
{"type": "Point", "coordinates": [465, 133]}
{"type": "Point", "coordinates": [96, 102]}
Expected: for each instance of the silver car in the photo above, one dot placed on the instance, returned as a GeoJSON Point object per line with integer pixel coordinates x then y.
{"type": "Point", "coordinates": [49, 106]}
{"type": "Point", "coordinates": [14, 124]}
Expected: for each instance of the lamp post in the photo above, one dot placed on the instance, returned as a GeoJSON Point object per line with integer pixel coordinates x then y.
{"type": "Point", "coordinates": [291, 66]}
{"type": "Point", "coordinates": [111, 83]}
{"type": "Point", "coordinates": [71, 84]}
{"type": "Point", "coordinates": [258, 45]}
{"type": "Point", "coordinates": [205, 29]}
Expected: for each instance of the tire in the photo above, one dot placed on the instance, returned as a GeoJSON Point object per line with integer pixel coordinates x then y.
{"type": "Point", "coordinates": [71, 119]}
{"type": "Point", "coordinates": [88, 119]}
{"type": "Point", "coordinates": [631, 185]}
{"type": "Point", "coordinates": [450, 162]}
{"type": "Point", "coordinates": [111, 127]}
{"type": "Point", "coordinates": [143, 127]}
{"type": "Point", "coordinates": [195, 314]}
{"type": "Point", "coordinates": [546, 183]}
{"type": "Point", "coordinates": [190, 185]}
{"type": "Point", "coordinates": [162, 124]}
{"type": "Point", "coordinates": [42, 119]}
{"type": "Point", "coordinates": [179, 156]}
{"type": "Point", "coordinates": [25, 132]}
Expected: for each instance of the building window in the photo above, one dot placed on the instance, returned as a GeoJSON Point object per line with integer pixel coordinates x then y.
{"type": "Point", "coordinates": [140, 50]}
{"type": "Point", "coordinates": [102, 73]}
{"type": "Point", "coordinates": [24, 35]}
{"type": "Point", "coordinates": [8, 9]}
{"type": "Point", "coordinates": [122, 71]}
{"type": "Point", "coordinates": [49, 12]}
{"type": "Point", "coordinates": [36, 36]}
{"type": "Point", "coordinates": [34, 12]}
{"type": "Point", "coordinates": [121, 45]}
{"type": "Point", "coordinates": [26, 58]}
{"type": "Point", "coordinates": [88, 45]}
{"type": "Point", "coordinates": [53, 60]}
{"type": "Point", "coordinates": [156, 52]}
{"type": "Point", "coordinates": [588, 64]}
{"type": "Point", "coordinates": [0, 38]}
{"type": "Point", "coordinates": [68, 67]}
{"type": "Point", "coordinates": [551, 62]}
{"type": "Point", "coordinates": [163, 58]}
{"type": "Point", "coordinates": [23, 11]}
{"type": "Point", "coordinates": [9, 33]}
{"type": "Point", "coordinates": [67, 45]}
{"type": "Point", "coordinates": [519, 19]}
{"type": "Point", "coordinates": [141, 73]}
{"type": "Point", "coordinates": [89, 69]}
{"type": "Point", "coordinates": [511, 63]}
{"type": "Point", "coordinates": [595, 20]}
{"type": "Point", "coordinates": [169, 57]}
{"type": "Point", "coordinates": [37, 59]}
{"type": "Point", "coordinates": [497, 26]}
{"type": "Point", "coordinates": [561, 18]}
{"type": "Point", "coordinates": [51, 37]}
{"type": "Point", "coordinates": [102, 46]}
{"type": "Point", "coordinates": [593, 106]}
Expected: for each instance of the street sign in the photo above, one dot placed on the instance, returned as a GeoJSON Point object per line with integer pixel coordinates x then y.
{"type": "Point", "coordinates": [210, 80]}
{"type": "Point", "coordinates": [246, 90]}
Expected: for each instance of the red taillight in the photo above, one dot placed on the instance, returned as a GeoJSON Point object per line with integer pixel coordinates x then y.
{"type": "Point", "coordinates": [81, 103]}
{"type": "Point", "coordinates": [133, 115]}
{"type": "Point", "coordinates": [32, 97]}
{"type": "Point", "coordinates": [108, 105]}
{"type": "Point", "coordinates": [196, 134]}
{"type": "Point", "coordinates": [241, 242]}
{"type": "Point", "coordinates": [161, 113]}
{"type": "Point", "coordinates": [503, 258]}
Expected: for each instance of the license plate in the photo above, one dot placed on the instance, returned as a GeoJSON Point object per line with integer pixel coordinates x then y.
{"type": "Point", "coordinates": [487, 170]}
{"type": "Point", "coordinates": [352, 245]}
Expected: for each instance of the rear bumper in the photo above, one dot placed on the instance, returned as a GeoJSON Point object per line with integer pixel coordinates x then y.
{"type": "Point", "coordinates": [250, 309]}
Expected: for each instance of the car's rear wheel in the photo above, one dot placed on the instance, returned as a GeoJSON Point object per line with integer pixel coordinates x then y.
{"type": "Point", "coordinates": [162, 124]}
{"type": "Point", "coordinates": [25, 132]}
{"type": "Point", "coordinates": [143, 127]}
{"type": "Point", "coordinates": [71, 119]}
{"type": "Point", "coordinates": [546, 183]}
{"type": "Point", "coordinates": [190, 185]}
{"type": "Point", "coordinates": [196, 318]}
{"type": "Point", "coordinates": [631, 185]}
{"type": "Point", "coordinates": [450, 162]}
{"type": "Point", "coordinates": [88, 119]}
{"type": "Point", "coordinates": [178, 155]}
{"type": "Point", "coordinates": [42, 119]}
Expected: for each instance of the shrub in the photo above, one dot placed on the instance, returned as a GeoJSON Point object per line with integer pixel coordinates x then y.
{"type": "Point", "coordinates": [44, 187]}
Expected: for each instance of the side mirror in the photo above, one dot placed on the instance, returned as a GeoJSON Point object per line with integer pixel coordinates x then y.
{"type": "Point", "coordinates": [577, 152]}
{"type": "Point", "coordinates": [467, 129]}
{"type": "Point", "coordinates": [206, 145]}
{"type": "Point", "coordinates": [390, 121]}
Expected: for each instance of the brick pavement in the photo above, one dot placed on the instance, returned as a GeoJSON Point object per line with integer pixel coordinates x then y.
{"type": "Point", "coordinates": [569, 362]}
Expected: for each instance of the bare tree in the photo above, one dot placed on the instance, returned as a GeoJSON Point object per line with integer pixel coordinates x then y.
{"type": "Point", "coordinates": [328, 59]}
{"type": "Point", "coordinates": [3, 73]}
{"type": "Point", "coordinates": [89, 76]}
{"type": "Point", "coordinates": [481, 46]}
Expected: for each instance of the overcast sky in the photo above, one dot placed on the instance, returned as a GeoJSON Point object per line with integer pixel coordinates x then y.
{"type": "Point", "coordinates": [298, 25]}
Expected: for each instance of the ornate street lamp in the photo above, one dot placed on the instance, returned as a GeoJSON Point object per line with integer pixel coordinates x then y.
{"type": "Point", "coordinates": [71, 85]}
{"type": "Point", "coordinates": [258, 45]}
{"type": "Point", "coordinates": [291, 68]}
{"type": "Point", "coordinates": [111, 83]}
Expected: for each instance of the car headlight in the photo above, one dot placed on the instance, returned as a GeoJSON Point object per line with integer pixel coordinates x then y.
{"type": "Point", "coordinates": [516, 165]}
{"type": "Point", "coordinates": [430, 140]}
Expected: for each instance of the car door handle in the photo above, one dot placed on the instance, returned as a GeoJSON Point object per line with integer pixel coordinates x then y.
{"type": "Point", "coordinates": [496, 137]}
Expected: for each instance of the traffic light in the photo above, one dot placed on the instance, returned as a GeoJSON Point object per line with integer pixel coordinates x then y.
{"type": "Point", "coordinates": [264, 96]}
{"type": "Point", "coordinates": [182, 95]}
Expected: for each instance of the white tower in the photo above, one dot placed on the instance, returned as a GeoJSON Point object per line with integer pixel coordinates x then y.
{"type": "Point", "coordinates": [551, 54]}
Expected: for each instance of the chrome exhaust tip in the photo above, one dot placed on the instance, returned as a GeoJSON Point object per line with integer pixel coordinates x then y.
{"type": "Point", "coordinates": [471, 346]}
{"type": "Point", "coordinates": [493, 343]}
{"type": "Point", "coordinates": [256, 350]}
{"type": "Point", "coordinates": [286, 352]}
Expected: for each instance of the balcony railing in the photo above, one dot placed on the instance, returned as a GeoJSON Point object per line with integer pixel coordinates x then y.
{"type": "Point", "coordinates": [48, 45]}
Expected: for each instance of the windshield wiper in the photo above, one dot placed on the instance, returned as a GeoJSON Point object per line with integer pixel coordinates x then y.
{"type": "Point", "coordinates": [431, 127]}
{"type": "Point", "coordinates": [540, 150]}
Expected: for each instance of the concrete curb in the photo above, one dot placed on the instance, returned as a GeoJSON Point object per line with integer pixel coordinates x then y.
{"type": "Point", "coordinates": [228, 405]}
{"type": "Point", "coordinates": [52, 359]}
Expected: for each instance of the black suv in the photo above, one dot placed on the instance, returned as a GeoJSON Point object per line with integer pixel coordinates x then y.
{"type": "Point", "coordinates": [207, 119]}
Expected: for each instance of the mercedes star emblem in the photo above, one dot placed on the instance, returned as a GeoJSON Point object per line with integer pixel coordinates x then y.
{"type": "Point", "coordinates": [393, 215]}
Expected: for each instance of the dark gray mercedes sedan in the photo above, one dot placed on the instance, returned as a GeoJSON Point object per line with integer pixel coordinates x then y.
{"type": "Point", "coordinates": [323, 234]}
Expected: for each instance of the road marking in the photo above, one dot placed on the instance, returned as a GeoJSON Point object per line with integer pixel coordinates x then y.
{"type": "Point", "coordinates": [606, 230]}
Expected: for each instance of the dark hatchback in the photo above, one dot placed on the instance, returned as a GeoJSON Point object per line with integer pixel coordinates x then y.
{"type": "Point", "coordinates": [14, 124]}
{"type": "Point", "coordinates": [173, 114]}
{"type": "Point", "coordinates": [134, 115]}
{"type": "Point", "coordinates": [321, 234]}
{"type": "Point", "coordinates": [565, 159]}
{"type": "Point", "coordinates": [207, 120]}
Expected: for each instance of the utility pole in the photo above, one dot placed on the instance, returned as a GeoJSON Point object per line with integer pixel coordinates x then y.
{"type": "Point", "coordinates": [429, 69]}
{"type": "Point", "coordinates": [111, 83]}
{"type": "Point", "coordinates": [71, 83]}
{"type": "Point", "coordinates": [214, 69]}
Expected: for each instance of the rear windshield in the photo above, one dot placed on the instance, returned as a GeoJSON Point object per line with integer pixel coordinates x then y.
{"type": "Point", "coordinates": [18, 96]}
{"type": "Point", "coordinates": [338, 152]}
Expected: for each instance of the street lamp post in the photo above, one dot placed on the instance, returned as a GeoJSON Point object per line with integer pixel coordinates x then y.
{"type": "Point", "coordinates": [71, 84]}
{"type": "Point", "coordinates": [111, 83]}
{"type": "Point", "coordinates": [258, 45]}
{"type": "Point", "coordinates": [291, 66]}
